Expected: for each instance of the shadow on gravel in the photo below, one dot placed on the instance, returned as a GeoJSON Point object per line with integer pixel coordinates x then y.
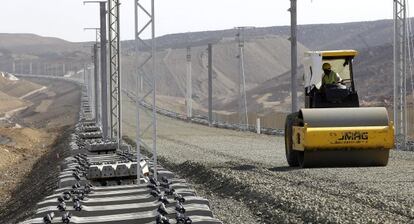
{"type": "Point", "coordinates": [244, 167]}
{"type": "Point", "coordinates": [283, 169]}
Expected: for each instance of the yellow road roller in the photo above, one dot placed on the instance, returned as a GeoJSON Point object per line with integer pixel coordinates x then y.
{"type": "Point", "coordinates": [332, 130]}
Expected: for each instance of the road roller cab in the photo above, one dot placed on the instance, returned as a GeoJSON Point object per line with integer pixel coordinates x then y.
{"type": "Point", "coordinates": [339, 94]}
{"type": "Point", "coordinates": [332, 130]}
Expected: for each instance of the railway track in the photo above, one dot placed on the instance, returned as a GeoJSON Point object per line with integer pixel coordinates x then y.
{"type": "Point", "coordinates": [98, 184]}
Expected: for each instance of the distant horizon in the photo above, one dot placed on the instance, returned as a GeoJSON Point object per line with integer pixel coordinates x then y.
{"type": "Point", "coordinates": [26, 33]}
{"type": "Point", "coordinates": [66, 19]}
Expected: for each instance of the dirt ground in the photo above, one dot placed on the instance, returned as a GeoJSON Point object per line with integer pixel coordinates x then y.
{"type": "Point", "coordinates": [18, 88]}
{"type": "Point", "coordinates": [31, 146]}
{"type": "Point", "coordinates": [18, 156]}
{"type": "Point", "coordinates": [9, 103]}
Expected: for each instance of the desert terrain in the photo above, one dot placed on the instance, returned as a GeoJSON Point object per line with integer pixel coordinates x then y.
{"type": "Point", "coordinates": [31, 140]}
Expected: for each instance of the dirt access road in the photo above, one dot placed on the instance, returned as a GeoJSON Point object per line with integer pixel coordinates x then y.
{"type": "Point", "coordinates": [30, 153]}
{"type": "Point", "coordinates": [247, 180]}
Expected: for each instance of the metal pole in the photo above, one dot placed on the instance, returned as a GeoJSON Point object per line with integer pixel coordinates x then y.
{"type": "Point", "coordinates": [240, 94]}
{"type": "Point", "coordinates": [88, 84]}
{"type": "Point", "coordinates": [138, 132]}
{"type": "Point", "coordinates": [244, 90]}
{"type": "Point", "coordinates": [84, 74]}
{"type": "Point", "coordinates": [103, 88]}
{"type": "Point", "coordinates": [111, 78]}
{"type": "Point", "coordinates": [395, 103]}
{"type": "Point", "coordinates": [400, 57]}
{"type": "Point", "coordinates": [104, 74]}
{"type": "Point", "coordinates": [210, 84]}
{"type": "Point", "coordinates": [91, 84]}
{"type": "Point", "coordinates": [91, 92]}
{"type": "Point", "coordinates": [404, 78]}
{"type": "Point", "coordinates": [119, 77]}
{"type": "Point", "coordinates": [243, 115]}
{"type": "Point", "coordinates": [14, 67]}
{"type": "Point", "coordinates": [146, 78]}
{"type": "Point", "coordinates": [96, 81]}
{"type": "Point", "coordinates": [31, 68]}
{"type": "Point", "coordinates": [115, 70]}
{"type": "Point", "coordinates": [137, 98]}
{"type": "Point", "coordinates": [293, 42]}
{"type": "Point", "coordinates": [188, 96]}
{"type": "Point", "coordinates": [154, 84]}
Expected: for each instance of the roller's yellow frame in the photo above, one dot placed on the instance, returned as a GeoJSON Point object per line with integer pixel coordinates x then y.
{"type": "Point", "coordinates": [325, 138]}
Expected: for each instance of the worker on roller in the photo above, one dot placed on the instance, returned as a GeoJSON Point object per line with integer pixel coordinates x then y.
{"type": "Point", "coordinates": [329, 77]}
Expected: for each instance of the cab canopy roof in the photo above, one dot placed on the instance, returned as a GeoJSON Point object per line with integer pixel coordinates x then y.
{"type": "Point", "coordinates": [334, 53]}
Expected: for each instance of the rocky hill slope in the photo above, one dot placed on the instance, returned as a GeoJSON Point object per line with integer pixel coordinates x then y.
{"type": "Point", "coordinates": [267, 61]}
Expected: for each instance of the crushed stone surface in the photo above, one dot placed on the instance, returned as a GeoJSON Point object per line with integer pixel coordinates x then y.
{"type": "Point", "coordinates": [247, 180]}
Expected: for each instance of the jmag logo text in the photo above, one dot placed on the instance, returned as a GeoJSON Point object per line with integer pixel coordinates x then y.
{"type": "Point", "coordinates": [354, 136]}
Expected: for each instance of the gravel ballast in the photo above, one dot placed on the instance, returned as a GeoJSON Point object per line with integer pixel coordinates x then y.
{"type": "Point", "coordinates": [247, 180]}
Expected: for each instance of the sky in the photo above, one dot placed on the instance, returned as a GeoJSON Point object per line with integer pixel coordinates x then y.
{"type": "Point", "coordinates": [67, 19]}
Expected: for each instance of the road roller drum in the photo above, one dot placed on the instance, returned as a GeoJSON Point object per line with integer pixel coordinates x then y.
{"type": "Point", "coordinates": [341, 137]}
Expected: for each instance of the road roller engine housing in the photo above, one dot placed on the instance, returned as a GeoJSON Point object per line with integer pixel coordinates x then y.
{"type": "Point", "coordinates": [332, 130]}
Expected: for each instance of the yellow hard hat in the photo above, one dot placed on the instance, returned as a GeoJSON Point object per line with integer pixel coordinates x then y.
{"type": "Point", "coordinates": [326, 66]}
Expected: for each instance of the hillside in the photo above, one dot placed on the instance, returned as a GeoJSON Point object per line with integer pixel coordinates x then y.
{"type": "Point", "coordinates": [267, 61]}
{"type": "Point", "coordinates": [13, 92]}
{"type": "Point", "coordinates": [356, 35]}
{"type": "Point", "coordinates": [46, 54]}
{"type": "Point", "coordinates": [31, 43]}
{"type": "Point", "coordinates": [10, 103]}
{"type": "Point", "coordinates": [17, 88]}
{"type": "Point", "coordinates": [265, 58]}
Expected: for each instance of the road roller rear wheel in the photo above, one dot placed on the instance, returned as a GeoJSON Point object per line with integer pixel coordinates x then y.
{"type": "Point", "coordinates": [291, 155]}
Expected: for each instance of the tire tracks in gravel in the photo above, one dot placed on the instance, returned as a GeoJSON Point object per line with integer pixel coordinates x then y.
{"type": "Point", "coordinates": [363, 195]}
{"type": "Point", "coordinates": [350, 192]}
{"type": "Point", "coordinates": [279, 200]}
{"type": "Point", "coordinates": [365, 200]}
{"type": "Point", "coordinates": [206, 150]}
{"type": "Point", "coordinates": [216, 183]}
